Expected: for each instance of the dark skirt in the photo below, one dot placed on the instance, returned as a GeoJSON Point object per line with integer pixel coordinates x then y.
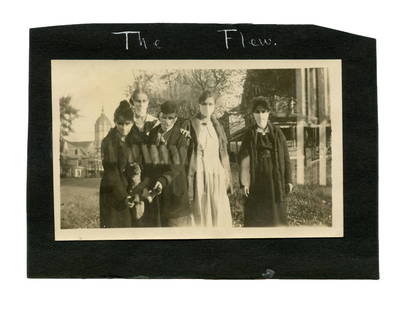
{"type": "Point", "coordinates": [110, 216]}
{"type": "Point", "coordinates": [263, 207]}
{"type": "Point", "coordinates": [151, 217]}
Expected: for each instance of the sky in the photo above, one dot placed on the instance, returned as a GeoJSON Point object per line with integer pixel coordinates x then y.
{"type": "Point", "coordinates": [92, 85]}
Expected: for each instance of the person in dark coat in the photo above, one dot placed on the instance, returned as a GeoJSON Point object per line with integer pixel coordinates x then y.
{"type": "Point", "coordinates": [155, 172]}
{"type": "Point", "coordinates": [115, 207]}
{"type": "Point", "coordinates": [118, 153]}
{"type": "Point", "coordinates": [175, 209]}
{"type": "Point", "coordinates": [265, 170]}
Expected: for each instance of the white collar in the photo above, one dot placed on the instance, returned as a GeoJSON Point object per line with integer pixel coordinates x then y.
{"type": "Point", "coordinates": [262, 131]}
{"type": "Point", "coordinates": [142, 117]}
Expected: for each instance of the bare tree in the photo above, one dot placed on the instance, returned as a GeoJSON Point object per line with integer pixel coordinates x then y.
{"type": "Point", "coordinates": [142, 80]}
{"type": "Point", "coordinates": [185, 86]}
{"type": "Point", "coordinates": [214, 80]}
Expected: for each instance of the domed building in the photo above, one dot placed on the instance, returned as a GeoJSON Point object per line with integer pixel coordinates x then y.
{"type": "Point", "coordinates": [83, 158]}
{"type": "Point", "coordinates": [101, 128]}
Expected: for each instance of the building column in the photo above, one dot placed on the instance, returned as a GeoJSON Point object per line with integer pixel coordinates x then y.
{"type": "Point", "coordinates": [322, 154]}
{"type": "Point", "coordinates": [301, 114]}
{"type": "Point", "coordinates": [322, 101]}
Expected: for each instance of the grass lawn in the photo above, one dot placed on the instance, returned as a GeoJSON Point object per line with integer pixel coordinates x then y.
{"type": "Point", "coordinates": [80, 203]}
{"type": "Point", "coordinates": [310, 205]}
{"type": "Point", "coordinates": [81, 182]}
{"type": "Point", "coordinates": [307, 205]}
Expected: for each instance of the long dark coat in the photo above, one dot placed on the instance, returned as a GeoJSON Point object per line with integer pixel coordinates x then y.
{"type": "Point", "coordinates": [116, 155]}
{"type": "Point", "coordinates": [276, 209]}
{"type": "Point", "coordinates": [151, 172]}
{"type": "Point", "coordinates": [113, 188]}
{"type": "Point", "coordinates": [174, 199]}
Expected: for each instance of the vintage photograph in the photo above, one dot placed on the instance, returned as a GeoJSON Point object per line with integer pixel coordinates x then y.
{"type": "Point", "coordinates": [188, 149]}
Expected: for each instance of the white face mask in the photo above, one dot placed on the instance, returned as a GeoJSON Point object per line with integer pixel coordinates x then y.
{"type": "Point", "coordinates": [141, 112]}
{"type": "Point", "coordinates": [141, 105]}
{"type": "Point", "coordinates": [261, 119]}
{"type": "Point", "coordinates": [206, 110]}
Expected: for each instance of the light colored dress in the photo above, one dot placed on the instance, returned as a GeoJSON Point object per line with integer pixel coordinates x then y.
{"type": "Point", "coordinates": [211, 207]}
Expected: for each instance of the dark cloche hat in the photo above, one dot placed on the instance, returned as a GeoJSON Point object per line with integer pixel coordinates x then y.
{"type": "Point", "coordinates": [169, 107]}
{"type": "Point", "coordinates": [260, 101]}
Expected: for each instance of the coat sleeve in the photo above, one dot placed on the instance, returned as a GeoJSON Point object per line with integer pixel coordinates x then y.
{"type": "Point", "coordinates": [173, 170]}
{"type": "Point", "coordinates": [287, 161]}
{"type": "Point", "coordinates": [244, 147]}
{"type": "Point", "coordinates": [245, 172]}
{"type": "Point", "coordinates": [228, 171]}
{"type": "Point", "coordinates": [169, 174]}
{"type": "Point", "coordinates": [112, 177]}
{"type": "Point", "coordinates": [226, 165]}
{"type": "Point", "coordinates": [183, 140]}
{"type": "Point", "coordinates": [244, 161]}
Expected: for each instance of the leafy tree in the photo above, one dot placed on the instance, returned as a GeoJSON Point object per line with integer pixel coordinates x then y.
{"type": "Point", "coordinates": [67, 114]}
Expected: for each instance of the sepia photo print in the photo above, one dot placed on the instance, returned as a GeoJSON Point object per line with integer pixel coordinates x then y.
{"type": "Point", "coordinates": [189, 149]}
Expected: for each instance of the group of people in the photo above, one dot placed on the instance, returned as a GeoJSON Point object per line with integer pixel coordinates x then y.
{"type": "Point", "coordinates": [167, 172]}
